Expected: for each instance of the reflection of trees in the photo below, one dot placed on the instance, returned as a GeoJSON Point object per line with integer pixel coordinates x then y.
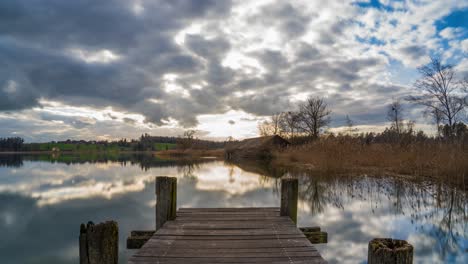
{"type": "Point", "coordinates": [319, 191]}
{"type": "Point", "coordinates": [434, 208]}
{"type": "Point", "coordinates": [266, 171]}
{"type": "Point", "coordinates": [261, 168]}
{"type": "Point", "coordinates": [188, 169]}
{"type": "Point", "coordinates": [11, 160]}
{"type": "Point", "coordinates": [144, 161]}
{"type": "Point", "coordinates": [453, 221]}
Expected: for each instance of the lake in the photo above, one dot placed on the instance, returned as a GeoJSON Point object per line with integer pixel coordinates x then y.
{"type": "Point", "coordinates": [44, 199]}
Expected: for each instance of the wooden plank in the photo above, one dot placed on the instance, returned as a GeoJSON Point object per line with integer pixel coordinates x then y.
{"type": "Point", "coordinates": [229, 232]}
{"type": "Point", "coordinates": [289, 260]}
{"type": "Point", "coordinates": [228, 235]}
{"type": "Point", "coordinates": [230, 209]}
{"type": "Point", "coordinates": [220, 244]}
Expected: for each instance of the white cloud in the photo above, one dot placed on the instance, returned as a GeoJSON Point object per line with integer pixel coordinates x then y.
{"type": "Point", "coordinates": [11, 87]}
{"type": "Point", "coordinates": [450, 32]}
{"type": "Point", "coordinates": [464, 45]}
{"type": "Point", "coordinates": [187, 61]}
{"type": "Point", "coordinates": [100, 56]}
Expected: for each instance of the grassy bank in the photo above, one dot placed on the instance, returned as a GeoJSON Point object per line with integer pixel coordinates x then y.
{"type": "Point", "coordinates": [437, 160]}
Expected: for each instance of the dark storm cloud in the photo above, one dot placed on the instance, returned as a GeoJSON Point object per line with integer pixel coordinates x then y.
{"type": "Point", "coordinates": [288, 18]}
{"type": "Point", "coordinates": [76, 122]}
{"type": "Point", "coordinates": [37, 39]}
{"type": "Point", "coordinates": [129, 120]}
{"type": "Point", "coordinates": [43, 73]}
{"type": "Point", "coordinates": [307, 52]}
{"type": "Point", "coordinates": [207, 48]}
{"type": "Point", "coordinates": [272, 59]}
{"type": "Point", "coordinates": [414, 51]}
{"type": "Point", "coordinates": [105, 24]}
{"type": "Point", "coordinates": [120, 53]}
{"type": "Point", "coordinates": [270, 100]}
{"type": "Point", "coordinates": [330, 33]}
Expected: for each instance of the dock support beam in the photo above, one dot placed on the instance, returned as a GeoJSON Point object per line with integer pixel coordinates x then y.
{"type": "Point", "coordinates": [99, 244]}
{"type": "Point", "coordinates": [166, 200]}
{"type": "Point", "coordinates": [289, 195]}
{"type": "Point", "coordinates": [389, 251]}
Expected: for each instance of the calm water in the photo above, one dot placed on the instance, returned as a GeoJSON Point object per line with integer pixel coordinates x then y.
{"type": "Point", "coordinates": [43, 200]}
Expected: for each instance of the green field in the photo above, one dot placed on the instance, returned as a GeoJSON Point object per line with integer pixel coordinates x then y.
{"type": "Point", "coordinates": [94, 147]}
{"type": "Point", "coordinates": [164, 146]}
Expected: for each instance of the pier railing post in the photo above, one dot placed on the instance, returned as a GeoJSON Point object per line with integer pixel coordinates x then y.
{"type": "Point", "coordinates": [389, 251]}
{"type": "Point", "coordinates": [99, 244]}
{"type": "Point", "coordinates": [166, 200]}
{"type": "Point", "coordinates": [289, 195]}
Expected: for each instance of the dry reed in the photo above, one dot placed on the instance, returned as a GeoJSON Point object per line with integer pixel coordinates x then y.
{"type": "Point", "coordinates": [192, 153]}
{"type": "Point", "coordinates": [446, 161]}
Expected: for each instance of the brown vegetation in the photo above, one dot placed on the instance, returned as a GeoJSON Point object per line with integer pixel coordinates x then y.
{"type": "Point", "coordinates": [191, 153]}
{"type": "Point", "coordinates": [259, 148]}
{"type": "Point", "coordinates": [447, 161]}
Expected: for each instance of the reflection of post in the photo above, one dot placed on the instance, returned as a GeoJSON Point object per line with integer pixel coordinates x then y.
{"type": "Point", "coordinates": [166, 200]}
{"type": "Point", "coordinates": [289, 195]}
{"type": "Point", "coordinates": [99, 244]}
{"type": "Point", "coordinates": [389, 251]}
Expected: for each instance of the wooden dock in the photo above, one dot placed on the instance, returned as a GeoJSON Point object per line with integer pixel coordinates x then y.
{"type": "Point", "coordinates": [224, 235]}
{"type": "Point", "coordinates": [228, 235]}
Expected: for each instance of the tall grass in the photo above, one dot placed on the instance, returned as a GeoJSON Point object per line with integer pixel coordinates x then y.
{"type": "Point", "coordinates": [442, 160]}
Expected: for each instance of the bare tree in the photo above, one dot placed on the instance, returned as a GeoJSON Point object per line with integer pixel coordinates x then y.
{"type": "Point", "coordinates": [289, 123]}
{"type": "Point", "coordinates": [437, 116]}
{"type": "Point", "coordinates": [187, 140]}
{"type": "Point", "coordinates": [264, 128]}
{"type": "Point", "coordinates": [272, 126]}
{"type": "Point", "coordinates": [395, 116]}
{"type": "Point", "coordinates": [314, 115]}
{"type": "Point", "coordinates": [440, 92]}
{"type": "Point", "coordinates": [276, 123]}
{"type": "Point", "coordinates": [350, 126]}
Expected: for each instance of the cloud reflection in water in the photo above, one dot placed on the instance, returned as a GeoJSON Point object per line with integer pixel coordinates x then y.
{"type": "Point", "coordinates": [42, 205]}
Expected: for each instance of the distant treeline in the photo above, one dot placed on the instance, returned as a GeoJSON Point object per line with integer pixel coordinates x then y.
{"type": "Point", "coordinates": [144, 143]}
{"type": "Point", "coordinates": [404, 136]}
{"type": "Point", "coordinates": [11, 144]}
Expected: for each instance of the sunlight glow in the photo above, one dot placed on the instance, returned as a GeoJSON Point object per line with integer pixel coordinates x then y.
{"type": "Point", "coordinates": [238, 61]}
{"type": "Point", "coordinates": [101, 56]}
{"type": "Point", "coordinates": [171, 86]}
{"type": "Point", "coordinates": [232, 180]}
{"type": "Point", "coordinates": [108, 113]}
{"type": "Point", "coordinates": [218, 125]}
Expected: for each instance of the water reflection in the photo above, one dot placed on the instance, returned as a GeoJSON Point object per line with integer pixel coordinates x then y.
{"type": "Point", "coordinates": [43, 200]}
{"type": "Point", "coordinates": [431, 216]}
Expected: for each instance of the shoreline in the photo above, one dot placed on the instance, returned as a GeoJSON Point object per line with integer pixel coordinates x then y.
{"type": "Point", "coordinates": [75, 152]}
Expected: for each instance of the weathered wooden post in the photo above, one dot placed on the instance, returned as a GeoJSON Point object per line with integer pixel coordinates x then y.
{"type": "Point", "coordinates": [389, 251]}
{"type": "Point", "coordinates": [99, 244]}
{"type": "Point", "coordinates": [289, 195]}
{"type": "Point", "coordinates": [166, 200]}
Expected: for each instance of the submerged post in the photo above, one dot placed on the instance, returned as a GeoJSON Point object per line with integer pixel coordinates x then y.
{"type": "Point", "coordinates": [99, 244]}
{"type": "Point", "coordinates": [166, 200]}
{"type": "Point", "coordinates": [289, 195]}
{"type": "Point", "coordinates": [389, 251]}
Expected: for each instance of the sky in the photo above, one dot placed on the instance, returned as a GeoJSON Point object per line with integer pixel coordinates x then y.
{"type": "Point", "coordinates": [87, 69]}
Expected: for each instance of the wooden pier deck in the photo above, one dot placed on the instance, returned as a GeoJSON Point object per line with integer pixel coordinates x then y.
{"type": "Point", "coordinates": [228, 235]}
{"type": "Point", "coordinates": [224, 235]}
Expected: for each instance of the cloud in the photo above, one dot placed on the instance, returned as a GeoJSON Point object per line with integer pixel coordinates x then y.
{"type": "Point", "coordinates": [174, 61]}
{"type": "Point", "coordinates": [414, 51]}
{"type": "Point", "coordinates": [450, 32]}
